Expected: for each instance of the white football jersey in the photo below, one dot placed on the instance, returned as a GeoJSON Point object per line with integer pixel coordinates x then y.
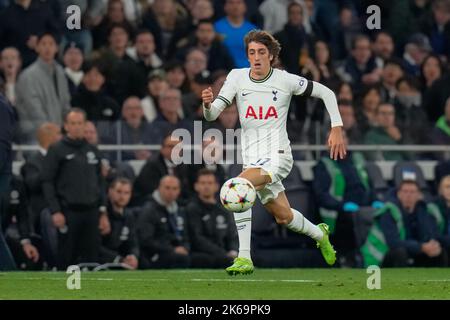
{"type": "Point", "coordinates": [263, 107]}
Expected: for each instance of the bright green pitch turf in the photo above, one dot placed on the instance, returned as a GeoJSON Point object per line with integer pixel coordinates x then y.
{"type": "Point", "coordinates": [291, 284]}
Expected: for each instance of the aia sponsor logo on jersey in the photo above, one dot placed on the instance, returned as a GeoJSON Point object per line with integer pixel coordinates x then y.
{"type": "Point", "coordinates": [260, 113]}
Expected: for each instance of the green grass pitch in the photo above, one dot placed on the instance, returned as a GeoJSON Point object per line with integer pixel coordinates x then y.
{"type": "Point", "coordinates": [272, 284]}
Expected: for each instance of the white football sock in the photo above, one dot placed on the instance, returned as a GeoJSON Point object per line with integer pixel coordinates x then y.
{"type": "Point", "coordinates": [244, 228]}
{"type": "Point", "coordinates": [302, 225]}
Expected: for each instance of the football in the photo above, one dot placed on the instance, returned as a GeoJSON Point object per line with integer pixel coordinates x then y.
{"type": "Point", "coordinates": [237, 194]}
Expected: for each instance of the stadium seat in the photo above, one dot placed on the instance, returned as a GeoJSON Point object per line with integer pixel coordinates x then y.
{"type": "Point", "coordinates": [377, 181]}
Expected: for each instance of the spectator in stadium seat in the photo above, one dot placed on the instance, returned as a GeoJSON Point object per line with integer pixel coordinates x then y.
{"type": "Point", "coordinates": [392, 72]}
{"type": "Point", "coordinates": [91, 96]}
{"type": "Point", "coordinates": [159, 165]}
{"type": "Point", "coordinates": [115, 14]}
{"type": "Point", "coordinates": [441, 132]}
{"type": "Point", "coordinates": [275, 14]}
{"type": "Point", "coordinates": [168, 118]}
{"type": "Point", "coordinates": [410, 234]}
{"type": "Point", "coordinates": [293, 39]}
{"type": "Point", "coordinates": [346, 29]}
{"type": "Point", "coordinates": [386, 132]}
{"type": "Point", "coordinates": [341, 188]}
{"type": "Point", "coordinates": [192, 102]}
{"type": "Point", "coordinates": [436, 26]}
{"type": "Point", "coordinates": [440, 210]}
{"type": "Point", "coordinates": [10, 67]}
{"type": "Point", "coordinates": [168, 21]}
{"type": "Point", "coordinates": [162, 229]}
{"type": "Point", "coordinates": [212, 232]}
{"type": "Point", "coordinates": [23, 241]}
{"type": "Point", "coordinates": [367, 105]}
{"type": "Point", "coordinates": [416, 50]}
{"type": "Point", "coordinates": [431, 70]}
{"type": "Point", "coordinates": [344, 91]}
{"type": "Point", "coordinates": [176, 76]}
{"type": "Point", "coordinates": [351, 127]}
{"type": "Point", "coordinates": [156, 83]}
{"type": "Point", "coordinates": [42, 90]}
{"type": "Point", "coordinates": [383, 48]}
{"type": "Point", "coordinates": [32, 171]}
{"type": "Point", "coordinates": [134, 129]}
{"type": "Point", "coordinates": [206, 39]}
{"type": "Point", "coordinates": [195, 62]}
{"type": "Point", "coordinates": [22, 23]}
{"type": "Point", "coordinates": [360, 69]}
{"type": "Point", "coordinates": [120, 244]}
{"type": "Point", "coordinates": [143, 53]}
{"type": "Point", "coordinates": [123, 78]}
{"type": "Point", "coordinates": [411, 118]}
{"type": "Point", "coordinates": [436, 97]}
{"type": "Point", "coordinates": [233, 27]}
{"type": "Point", "coordinates": [73, 61]}
{"type": "Point", "coordinates": [75, 204]}
{"type": "Point", "coordinates": [200, 10]}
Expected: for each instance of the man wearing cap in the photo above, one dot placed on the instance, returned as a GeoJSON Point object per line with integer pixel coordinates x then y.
{"type": "Point", "coordinates": [416, 49]}
{"type": "Point", "coordinates": [73, 60]}
{"type": "Point", "coordinates": [156, 83]}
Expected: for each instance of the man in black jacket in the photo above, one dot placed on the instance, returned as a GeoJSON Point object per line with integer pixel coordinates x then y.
{"type": "Point", "coordinates": [7, 125]}
{"type": "Point", "coordinates": [31, 171]}
{"type": "Point", "coordinates": [155, 168]}
{"type": "Point", "coordinates": [161, 228]}
{"type": "Point", "coordinates": [16, 225]}
{"type": "Point", "coordinates": [74, 190]}
{"type": "Point", "coordinates": [120, 244]}
{"type": "Point", "coordinates": [212, 231]}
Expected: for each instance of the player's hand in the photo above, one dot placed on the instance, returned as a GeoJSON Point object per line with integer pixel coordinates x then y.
{"type": "Point", "coordinates": [59, 221]}
{"type": "Point", "coordinates": [31, 252]}
{"type": "Point", "coordinates": [207, 97]}
{"type": "Point", "coordinates": [336, 144]}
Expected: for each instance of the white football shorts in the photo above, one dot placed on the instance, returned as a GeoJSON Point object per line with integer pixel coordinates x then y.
{"type": "Point", "coordinates": [278, 168]}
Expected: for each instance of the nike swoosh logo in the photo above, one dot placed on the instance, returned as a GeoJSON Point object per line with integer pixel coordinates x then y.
{"type": "Point", "coordinates": [245, 94]}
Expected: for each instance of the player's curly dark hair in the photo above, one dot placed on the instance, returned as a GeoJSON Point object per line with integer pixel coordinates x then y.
{"type": "Point", "coordinates": [266, 39]}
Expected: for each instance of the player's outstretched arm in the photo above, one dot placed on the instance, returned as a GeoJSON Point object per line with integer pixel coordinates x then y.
{"type": "Point", "coordinates": [209, 111]}
{"type": "Point", "coordinates": [336, 138]}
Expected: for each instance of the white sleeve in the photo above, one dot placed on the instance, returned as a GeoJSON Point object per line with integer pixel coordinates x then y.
{"type": "Point", "coordinates": [223, 99]}
{"type": "Point", "coordinates": [329, 99]}
{"type": "Point", "coordinates": [298, 85]}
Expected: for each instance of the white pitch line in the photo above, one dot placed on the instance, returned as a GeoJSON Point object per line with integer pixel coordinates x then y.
{"type": "Point", "coordinates": [216, 280]}
{"type": "Point", "coordinates": [255, 280]}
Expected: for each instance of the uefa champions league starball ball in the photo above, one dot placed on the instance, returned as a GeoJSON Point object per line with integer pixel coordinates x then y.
{"type": "Point", "coordinates": [237, 195]}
